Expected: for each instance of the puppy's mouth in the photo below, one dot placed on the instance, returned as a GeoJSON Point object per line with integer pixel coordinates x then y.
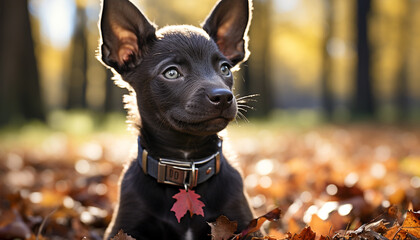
{"type": "Point", "coordinates": [199, 127]}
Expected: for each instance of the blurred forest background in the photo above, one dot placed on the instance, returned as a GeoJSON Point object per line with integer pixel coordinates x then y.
{"type": "Point", "coordinates": [332, 60]}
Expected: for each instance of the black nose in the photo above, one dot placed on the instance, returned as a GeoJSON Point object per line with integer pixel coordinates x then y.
{"type": "Point", "coordinates": [220, 97]}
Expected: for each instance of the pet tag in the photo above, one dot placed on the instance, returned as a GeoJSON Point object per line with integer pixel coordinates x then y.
{"type": "Point", "coordinates": [187, 200]}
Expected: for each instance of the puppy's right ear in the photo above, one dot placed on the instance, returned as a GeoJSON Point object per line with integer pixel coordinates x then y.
{"type": "Point", "coordinates": [125, 35]}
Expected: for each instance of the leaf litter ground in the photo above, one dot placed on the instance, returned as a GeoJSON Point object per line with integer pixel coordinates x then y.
{"type": "Point", "coordinates": [352, 182]}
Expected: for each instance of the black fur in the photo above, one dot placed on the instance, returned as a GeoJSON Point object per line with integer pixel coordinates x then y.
{"type": "Point", "coordinates": [180, 117]}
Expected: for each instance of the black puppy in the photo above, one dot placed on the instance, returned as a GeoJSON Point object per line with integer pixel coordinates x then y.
{"type": "Point", "coordinates": [182, 82]}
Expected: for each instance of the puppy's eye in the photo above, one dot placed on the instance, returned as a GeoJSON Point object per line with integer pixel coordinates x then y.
{"type": "Point", "coordinates": [224, 69]}
{"type": "Point", "coordinates": [171, 73]}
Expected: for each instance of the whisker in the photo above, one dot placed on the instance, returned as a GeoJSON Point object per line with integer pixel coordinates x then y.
{"type": "Point", "coordinates": [238, 117]}
{"type": "Point", "coordinates": [247, 100]}
{"type": "Point", "coordinates": [248, 97]}
{"type": "Point", "coordinates": [246, 106]}
{"type": "Point", "coordinates": [242, 110]}
{"type": "Point", "coordinates": [242, 116]}
{"type": "Point", "coordinates": [243, 107]}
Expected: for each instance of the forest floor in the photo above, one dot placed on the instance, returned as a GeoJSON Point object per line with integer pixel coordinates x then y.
{"type": "Point", "coordinates": [345, 182]}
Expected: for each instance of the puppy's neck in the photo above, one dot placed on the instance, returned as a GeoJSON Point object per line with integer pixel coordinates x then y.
{"type": "Point", "coordinates": [165, 143]}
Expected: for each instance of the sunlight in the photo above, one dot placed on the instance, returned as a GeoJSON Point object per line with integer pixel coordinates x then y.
{"type": "Point", "coordinates": [415, 182]}
{"type": "Point", "coordinates": [326, 209]}
{"type": "Point", "coordinates": [331, 189]}
{"type": "Point", "coordinates": [286, 5]}
{"type": "Point", "coordinates": [345, 209]}
{"type": "Point", "coordinates": [36, 197]}
{"type": "Point", "coordinates": [58, 18]}
{"type": "Point", "coordinates": [378, 170]}
{"type": "Point", "coordinates": [265, 166]}
{"type": "Point", "coordinates": [351, 179]}
{"type": "Point", "coordinates": [308, 214]}
{"type": "Point", "coordinates": [86, 217]}
{"type": "Point", "coordinates": [91, 150]}
{"type": "Point", "coordinates": [265, 182]}
{"type": "Point", "coordinates": [82, 166]}
{"type": "Point", "coordinates": [68, 202]}
{"type": "Point", "coordinates": [251, 181]}
{"type": "Point", "coordinates": [258, 201]}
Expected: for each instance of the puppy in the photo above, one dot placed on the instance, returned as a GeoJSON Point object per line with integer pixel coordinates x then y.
{"type": "Point", "coordinates": [182, 82]}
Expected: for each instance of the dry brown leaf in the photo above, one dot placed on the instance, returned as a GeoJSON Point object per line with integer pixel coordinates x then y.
{"type": "Point", "coordinates": [411, 223]}
{"type": "Point", "coordinates": [223, 228]}
{"type": "Point", "coordinates": [367, 231]}
{"type": "Point", "coordinates": [256, 224]}
{"type": "Point", "coordinates": [305, 234]}
{"type": "Point", "coordinates": [122, 236]}
{"type": "Point", "coordinates": [323, 238]}
{"type": "Point", "coordinates": [393, 231]}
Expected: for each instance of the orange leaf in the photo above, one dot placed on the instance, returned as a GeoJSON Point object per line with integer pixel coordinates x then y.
{"type": "Point", "coordinates": [392, 232]}
{"type": "Point", "coordinates": [256, 224]}
{"type": "Point", "coordinates": [411, 223]}
{"type": "Point", "coordinates": [320, 226]}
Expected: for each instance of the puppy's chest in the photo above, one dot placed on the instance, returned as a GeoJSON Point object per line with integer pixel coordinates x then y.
{"type": "Point", "coordinates": [189, 235]}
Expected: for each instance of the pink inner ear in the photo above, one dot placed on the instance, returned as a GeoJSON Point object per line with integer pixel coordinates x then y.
{"type": "Point", "coordinates": [226, 44]}
{"type": "Point", "coordinates": [128, 47]}
{"type": "Point", "coordinates": [124, 53]}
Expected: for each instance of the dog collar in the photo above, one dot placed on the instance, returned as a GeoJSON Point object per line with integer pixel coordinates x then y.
{"type": "Point", "coordinates": [180, 173]}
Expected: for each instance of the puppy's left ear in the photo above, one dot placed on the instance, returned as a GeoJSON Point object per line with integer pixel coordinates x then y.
{"type": "Point", "coordinates": [228, 26]}
{"type": "Point", "coordinates": [126, 35]}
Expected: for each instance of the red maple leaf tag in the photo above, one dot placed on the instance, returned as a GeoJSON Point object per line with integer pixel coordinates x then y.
{"type": "Point", "coordinates": [187, 200]}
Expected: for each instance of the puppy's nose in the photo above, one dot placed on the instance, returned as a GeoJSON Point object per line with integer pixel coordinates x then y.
{"type": "Point", "coordinates": [220, 97]}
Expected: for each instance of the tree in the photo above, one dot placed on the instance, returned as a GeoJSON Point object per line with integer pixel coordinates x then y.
{"type": "Point", "coordinates": [327, 98]}
{"type": "Point", "coordinates": [257, 72]}
{"type": "Point", "coordinates": [20, 93]}
{"type": "Point", "coordinates": [78, 72]}
{"type": "Point", "coordinates": [402, 90]}
{"type": "Point", "coordinates": [364, 106]}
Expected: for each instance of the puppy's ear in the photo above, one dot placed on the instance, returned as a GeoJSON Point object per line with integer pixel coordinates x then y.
{"type": "Point", "coordinates": [228, 25]}
{"type": "Point", "coordinates": [125, 34]}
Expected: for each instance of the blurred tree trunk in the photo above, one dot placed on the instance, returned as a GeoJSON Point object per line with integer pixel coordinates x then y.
{"type": "Point", "coordinates": [20, 93]}
{"type": "Point", "coordinates": [402, 91]}
{"type": "Point", "coordinates": [259, 71]}
{"type": "Point", "coordinates": [113, 95]}
{"type": "Point", "coordinates": [78, 71]}
{"type": "Point", "coordinates": [364, 106]}
{"type": "Point", "coordinates": [327, 98]}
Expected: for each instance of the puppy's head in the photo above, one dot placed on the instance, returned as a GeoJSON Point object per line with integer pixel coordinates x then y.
{"type": "Point", "coordinates": [181, 74]}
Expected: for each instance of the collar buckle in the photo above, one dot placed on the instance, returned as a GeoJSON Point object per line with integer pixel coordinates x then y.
{"type": "Point", "coordinates": [177, 173]}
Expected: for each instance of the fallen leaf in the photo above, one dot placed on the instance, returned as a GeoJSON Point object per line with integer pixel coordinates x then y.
{"type": "Point", "coordinates": [122, 236]}
{"type": "Point", "coordinates": [256, 224]}
{"type": "Point", "coordinates": [294, 226]}
{"type": "Point", "coordinates": [223, 228]}
{"type": "Point", "coordinates": [305, 234]}
{"type": "Point", "coordinates": [411, 223]}
{"type": "Point", "coordinates": [187, 201]}
{"type": "Point", "coordinates": [366, 231]}
{"type": "Point", "coordinates": [320, 226]}
{"type": "Point", "coordinates": [393, 232]}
